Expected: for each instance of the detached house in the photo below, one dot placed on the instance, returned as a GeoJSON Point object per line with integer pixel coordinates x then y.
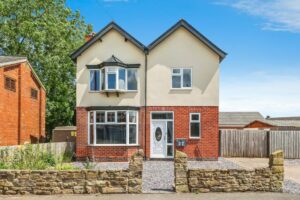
{"type": "Point", "coordinates": [157, 98]}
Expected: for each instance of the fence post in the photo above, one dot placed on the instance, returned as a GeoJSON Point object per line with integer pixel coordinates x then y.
{"type": "Point", "coordinates": [268, 143]}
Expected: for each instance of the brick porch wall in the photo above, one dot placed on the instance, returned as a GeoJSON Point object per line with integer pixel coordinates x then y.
{"type": "Point", "coordinates": [204, 148]}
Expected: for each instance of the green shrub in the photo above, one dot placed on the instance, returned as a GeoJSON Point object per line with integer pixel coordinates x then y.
{"type": "Point", "coordinates": [32, 158]}
{"type": "Point", "coordinates": [88, 164]}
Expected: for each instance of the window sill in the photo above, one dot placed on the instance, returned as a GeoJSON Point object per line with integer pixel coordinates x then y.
{"type": "Point", "coordinates": [113, 145]}
{"type": "Point", "coordinates": [181, 89]}
{"type": "Point", "coordinates": [195, 138]}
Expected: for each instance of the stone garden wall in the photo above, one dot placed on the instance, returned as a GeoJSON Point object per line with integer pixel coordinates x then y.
{"type": "Point", "coordinates": [74, 182]}
{"type": "Point", "coordinates": [268, 179]}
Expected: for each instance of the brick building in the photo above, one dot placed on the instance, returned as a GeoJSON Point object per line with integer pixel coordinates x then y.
{"type": "Point", "coordinates": [158, 98]}
{"type": "Point", "coordinates": [22, 103]}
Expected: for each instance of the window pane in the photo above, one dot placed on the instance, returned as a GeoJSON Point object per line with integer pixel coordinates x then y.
{"type": "Point", "coordinates": [94, 80]}
{"type": "Point", "coordinates": [91, 117]}
{"type": "Point", "coordinates": [132, 134]}
{"type": "Point", "coordinates": [195, 131]}
{"type": "Point", "coordinates": [176, 71]}
{"type": "Point", "coordinates": [132, 117]}
{"type": "Point", "coordinates": [176, 81]}
{"type": "Point", "coordinates": [111, 81]}
{"type": "Point", "coordinates": [195, 117]}
{"type": "Point", "coordinates": [132, 79]}
{"type": "Point", "coordinates": [162, 116]}
{"type": "Point", "coordinates": [170, 132]}
{"type": "Point", "coordinates": [111, 134]}
{"type": "Point", "coordinates": [122, 79]}
{"type": "Point", "coordinates": [121, 116]}
{"type": "Point", "coordinates": [91, 134]}
{"type": "Point", "coordinates": [187, 80]}
{"type": "Point", "coordinates": [170, 150]}
{"type": "Point", "coordinates": [103, 79]}
{"type": "Point", "coordinates": [111, 117]}
{"type": "Point", "coordinates": [100, 117]}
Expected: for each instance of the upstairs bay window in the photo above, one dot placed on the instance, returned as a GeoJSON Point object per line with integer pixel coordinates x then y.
{"type": "Point", "coordinates": [113, 128]}
{"type": "Point", "coordinates": [113, 79]}
{"type": "Point", "coordinates": [181, 78]}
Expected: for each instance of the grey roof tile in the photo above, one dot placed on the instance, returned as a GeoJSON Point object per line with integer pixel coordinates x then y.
{"type": "Point", "coordinates": [238, 118]}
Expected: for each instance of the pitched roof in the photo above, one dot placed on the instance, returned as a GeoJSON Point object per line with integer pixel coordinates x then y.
{"type": "Point", "coordinates": [192, 30]}
{"type": "Point", "coordinates": [101, 33]}
{"type": "Point", "coordinates": [240, 119]}
{"type": "Point", "coordinates": [65, 128]}
{"type": "Point", "coordinates": [9, 60]}
{"type": "Point", "coordinates": [12, 60]}
{"type": "Point", "coordinates": [180, 23]}
{"type": "Point", "coordinates": [285, 118]}
{"type": "Point", "coordinates": [283, 123]}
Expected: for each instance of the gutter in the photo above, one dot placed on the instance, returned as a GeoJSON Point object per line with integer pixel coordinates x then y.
{"type": "Point", "coordinates": [145, 112]}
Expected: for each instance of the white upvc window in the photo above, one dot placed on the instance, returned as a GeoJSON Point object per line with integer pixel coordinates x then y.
{"type": "Point", "coordinates": [181, 78]}
{"type": "Point", "coordinates": [113, 128]}
{"type": "Point", "coordinates": [113, 79]}
{"type": "Point", "coordinates": [94, 80]}
{"type": "Point", "coordinates": [195, 125]}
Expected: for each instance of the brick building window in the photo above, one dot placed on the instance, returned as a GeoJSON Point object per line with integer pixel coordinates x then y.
{"type": "Point", "coordinates": [10, 84]}
{"type": "Point", "coordinates": [34, 93]}
{"type": "Point", "coordinates": [111, 128]}
{"type": "Point", "coordinates": [195, 125]}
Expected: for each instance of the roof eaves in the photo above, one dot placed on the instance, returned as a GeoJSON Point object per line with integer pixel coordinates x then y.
{"type": "Point", "coordinates": [101, 33]}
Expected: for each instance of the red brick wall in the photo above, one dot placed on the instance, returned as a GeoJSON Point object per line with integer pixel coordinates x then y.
{"type": "Point", "coordinates": [22, 118]}
{"type": "Point", "coordinates": [204, 148]}
{"type": "Point", "coordinates": [207, 147]}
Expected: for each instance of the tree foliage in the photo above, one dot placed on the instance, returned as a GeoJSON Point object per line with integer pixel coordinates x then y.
{"type": "Point", "coordinates": [46, 32]}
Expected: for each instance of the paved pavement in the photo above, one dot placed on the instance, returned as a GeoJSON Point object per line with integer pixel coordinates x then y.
{"type": "Point", "coordinates": [173, 196]}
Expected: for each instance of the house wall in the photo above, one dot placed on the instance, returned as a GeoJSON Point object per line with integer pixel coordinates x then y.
{"type": "Point", "coordinates": [22, 118]}
{"type": "Point", "coordinates": [113, 43]}
{"type": "Point", "coordinates": [206, 147]}
{"type": "Point", "coordinates": [182, 49]}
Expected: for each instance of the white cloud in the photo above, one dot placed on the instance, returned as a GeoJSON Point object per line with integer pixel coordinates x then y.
{"type": "Point", "coordinates": [271, 94]}
{"type": "Point", "coordinates": [279, 15]}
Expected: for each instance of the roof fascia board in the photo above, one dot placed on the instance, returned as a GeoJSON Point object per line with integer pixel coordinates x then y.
{"type": "Point", "coordinates": [101, 33]}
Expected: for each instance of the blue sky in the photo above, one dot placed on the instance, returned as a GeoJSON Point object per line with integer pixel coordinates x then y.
{"type": "Point", "coordinates": [261, 37]}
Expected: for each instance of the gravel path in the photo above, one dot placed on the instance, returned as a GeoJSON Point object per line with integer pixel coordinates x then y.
{"type": "Point", "coordinates": [291, 187]}
{"type": "Point", "coordinates": [220, 164]}
{"type": "Point", "coordinates": [158, 176]}
{"type": "Point", "coordinates": [105, 165]}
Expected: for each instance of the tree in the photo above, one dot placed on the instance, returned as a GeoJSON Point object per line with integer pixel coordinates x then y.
{"type": "Point", "coordinates": [46, 32]}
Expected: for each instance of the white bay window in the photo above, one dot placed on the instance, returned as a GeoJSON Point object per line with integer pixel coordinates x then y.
{"type": "Point", "coordinates": [113, 128]}
{"type": "Point", "coordinates": [113, 79]}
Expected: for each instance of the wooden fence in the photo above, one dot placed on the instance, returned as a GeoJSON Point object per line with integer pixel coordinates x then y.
{"type": "Point", "coordinates": [57, 148]}
{"type": "Point", "coordinates": [259, 143]}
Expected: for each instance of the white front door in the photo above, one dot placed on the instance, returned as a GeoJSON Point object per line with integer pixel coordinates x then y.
{"type": "Point", "coordinates": [158, 139]}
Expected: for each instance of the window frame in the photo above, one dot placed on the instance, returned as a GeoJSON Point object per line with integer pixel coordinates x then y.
{"type": "Point", "coordinates": [181, 78]}
{"type": "Point", "coordinates": [11, 80]}
{"type": "Point", "coordinates": [92, 91]}
{"type": "Point", "coordinates": [127, 123]}
{"type": "Point", "coordinates": [37, 93]}
{"type": "Point", "coordinates": [195, 121]}
{"type": "Point", "coordinates": [103, 84]}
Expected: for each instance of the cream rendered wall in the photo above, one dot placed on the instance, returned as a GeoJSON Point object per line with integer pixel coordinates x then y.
{"type": "Point", "coordinates": [113, 43]}
{"type": "Point", "coordinates": [182, 49]}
